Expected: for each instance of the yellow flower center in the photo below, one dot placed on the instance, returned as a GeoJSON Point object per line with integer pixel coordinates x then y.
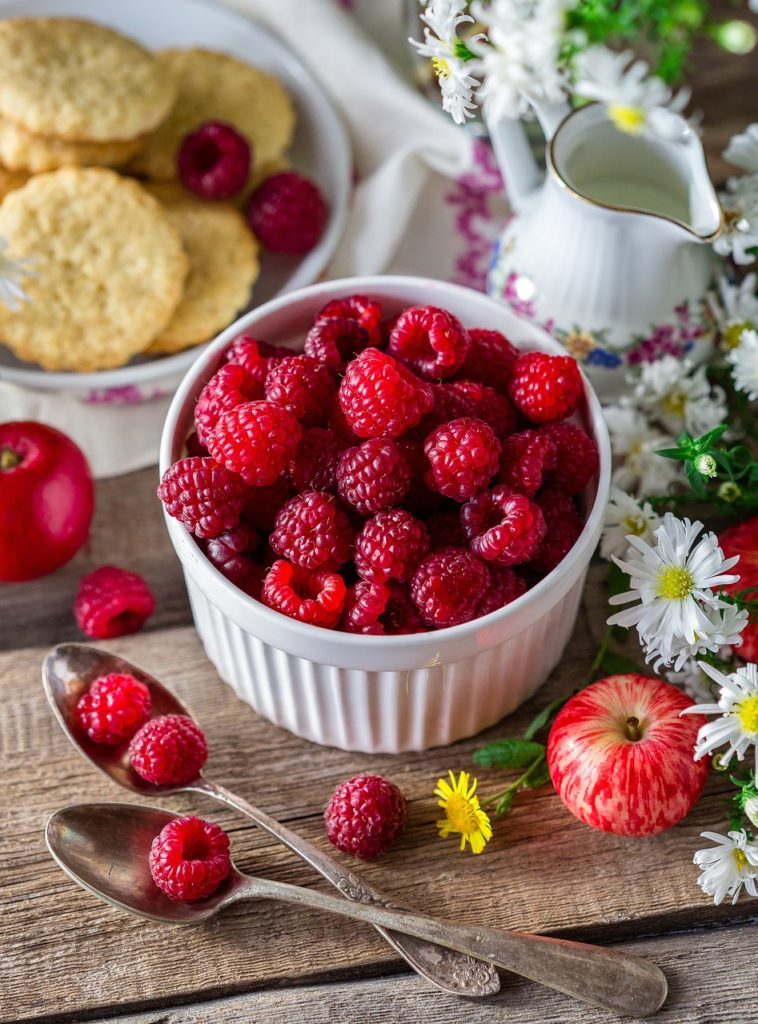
{"type": "Point", "coordinates": [441, 67]}
{"type": "Point", "coordinates": [627, 119]}
{"type": "Point", "coordinates": [634, 524]}
{"type": "Point", "coordinates": [674, 583]}
{"type": "Point", "coordinates": [461, 813]}
{"type": "Point", "coordinates": [739, 856]}
{"type": "Point", "coordinates": [748, 713]}
{"type": "Point", "coordinates": [675, 403]}
{"type": "Point", "coordinates": [731, 337]}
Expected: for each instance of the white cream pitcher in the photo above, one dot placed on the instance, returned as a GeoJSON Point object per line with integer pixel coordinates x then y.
{"type": "Point", "coordinates": [609, 248]}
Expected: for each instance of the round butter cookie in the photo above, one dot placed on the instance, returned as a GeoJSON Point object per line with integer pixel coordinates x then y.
{"type": "Point", "coordinates": [108, 270]}
{"type": "Point", "coordinates": [22, 151]}
{"type": "Point", "coordinates": [223, 266]}
{"type": "Point", "coordinates": [80, 81]}
{"type": "Point", "coordinates": [215, 87]}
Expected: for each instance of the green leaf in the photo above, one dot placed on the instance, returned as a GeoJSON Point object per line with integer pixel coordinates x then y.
{"type": "Point", "coordinates": [508, 753]}
{"type": "Point", "coordinates": [540, 720]}
{"type": "Point", "coordinates": [539, 777]}
{"type": "Point", "coordinates": [505, 803]}
{"type": "Point", "coordinates": [615, 664]}
{"type": "Point", "coordinates": [672, 453]}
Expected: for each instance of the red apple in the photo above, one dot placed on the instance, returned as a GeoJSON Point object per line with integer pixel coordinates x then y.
{"type": "Point", "coordinates": [620, 755]}
{"type": "Point", "coordinates": [46, 500]}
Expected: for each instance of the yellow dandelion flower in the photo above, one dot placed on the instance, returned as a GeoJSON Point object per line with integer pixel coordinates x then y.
{"type": "Point", "coordinates": [463, 815]}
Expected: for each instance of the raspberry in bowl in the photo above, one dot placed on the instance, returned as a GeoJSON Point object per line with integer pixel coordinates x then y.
{"type": "Point", "coordinates": [415, 542]}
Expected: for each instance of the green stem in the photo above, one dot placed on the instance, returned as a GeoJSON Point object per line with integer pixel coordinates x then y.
{"type": "Point", "coordinates": [601, 652]}
{"type": "Point", "coordinates": [8, 458]}
{"type": "Point", "coordinates": [518, 784]}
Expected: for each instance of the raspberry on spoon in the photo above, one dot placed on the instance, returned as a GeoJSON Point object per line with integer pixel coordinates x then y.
{"type": "Point", "coordinates": [113, 708]}
{"type": "Point", "coordinates": [168, 750]}
{"type": "Point", "coordinates": [214, 161]}
{"type": "Point", "coordinates": [189, 858]}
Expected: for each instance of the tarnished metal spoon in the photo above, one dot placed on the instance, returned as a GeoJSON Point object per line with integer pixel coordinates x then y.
{"type": "Point", "coordinates": [67, 672]}
{"type": "Point", "coordinates": [105, 847]}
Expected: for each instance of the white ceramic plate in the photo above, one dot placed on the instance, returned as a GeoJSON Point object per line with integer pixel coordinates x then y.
{"type": "Point", "coordinates": [320, 150]}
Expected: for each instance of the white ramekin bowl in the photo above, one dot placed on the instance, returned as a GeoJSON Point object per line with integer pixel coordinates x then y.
{"type": "Point", "coordinates": [369, 693]}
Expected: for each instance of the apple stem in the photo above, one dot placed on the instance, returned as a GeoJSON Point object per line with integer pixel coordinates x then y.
{"type": "Point", "coordinates": [8, 458]}
{"type": "Point", "coordinates": [633, 730]}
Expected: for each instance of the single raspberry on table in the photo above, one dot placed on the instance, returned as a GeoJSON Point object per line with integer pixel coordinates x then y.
{"type": "Point", "coordinates": [112, 602]}
{"type": "Point", "coordinates": [335, 340]}
{"type": "Point", "coordinates": [380, 609]}
{"type": "Point", "coordinates": [214, 161]}
{"type": "Point", "coordinates": [564, 524]}
{"type": "Point", "coordinates": [256, 440]}
{"type": "Point", "coordinates": [367, 311]}
{"type": "Point", "coordinates": [430, 340]}
{"type": "Point", "coordinates": [365, 815]}
{"type": "Point", "coordinates": [261, 505]}
{"type": "Point", "coordinates": [490, 359]}
{"type": "Point", "coordinates": [287, 212]}
{"type": "Point", "coordinates": [489, 405]}
{"type": "Point", "coordinates": [204, 496]}
{"type": "Point", "coordinates": [577, 458]}
{"type": "Point", "coordinates": [168, 750]}
{"type": "Point", "coordinates": [312, 531]}
{"type": "Point", "coordinates": [316, 596]}
{"type": "Point", "coordinates": [503, 527]}
{"type": "Point", "coordinates": [189, 858]}
{"type": "Point", "coordinates": [463, 457]}
{"type": "Point", "coordinates": [303, 386]}
{"type": "Point", "coordinates": [545, 388]}
{"type": "Point", "coordinates": [373, 476]}
{"type": "Point", "coordinates": [113, 708]}
{"type": "Point", "coordinates": [231, 385]}
{"type": "Point", "coordinates": [314, 466]}
{"type": "Point", "coordinates": [380, 397]}
{"type": "Point", "coordinates": [448, 587]}
{"type": "Point", "coordinates": [526, 460]}
{"type": "Point", "coordinates": [445, 529]}
{"type": "Point", "coordinates": [505, 586]}
{"type": "Point", "coordinates": [390, 546]}
{"type": "Point", "coordinates": [231, 553]}
{"type": "Point", "coordinates": [257, 357]}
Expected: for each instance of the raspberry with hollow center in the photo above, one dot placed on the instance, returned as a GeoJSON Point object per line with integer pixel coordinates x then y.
{"type": "Point", "coordinates": [335, 340]}
{"type": "Point", "coordinates": [314, 467]}
{"type": "Point", "coordinates": [204, 496]}
{"type": "Point", "coordinates": [231, 551]}
{"type": "Point", "coordinates": [564, 524]}
{"type": "Point", "coordinates": [255, 440]}
{"type": "Point", "coordinates": [503, 527]}
{"type": "Point", "coordinates": [430, 340]}
{"type": "Point", "coordinates": [489, 405]}
{"type": "Point", "coordinates": [448, 587]}
{"type": "Point", "coordinates": [382, 398]}
{"type": "Point", "coordinates": [365, 815]}
{"type": "Point", "coordinates": [380, 609]}
{"type": "Point", "coordinates": [463, 457]}
{"type": "Point", "coordinates": [545, 388]}
{"type": "Point", "coordinates": [373, 476]}
{"type": "Point", "coordinates": [526, 460]}
{"type": "Point", "coordinates": [316, 596]}
{"type": "Point", "coordinates": [257, 357]}
{"type": "Point", "coordinates": [577, 458]}
{"type": "Point", "coordinates": [112, 602]}
{"type": "Point", "coordinates": [214, 161]}
{"type": "Point", "coordinates": [303, 386]}
{"type": "Point", "coordinates": [368, 313]}
{"type": "Point", "coordinates": [505, 586]}
{"type": "Point", "coordinates": [390, 546]}
{"type": "Point", "coordinates": [113, 708]}
{"type": "Point", "coordinates": [312, 531]}
{"type": "Point", "coordinates": [189, 858]}
{"type": "Point", "coordinates": [287, 212]}
{"type": "Point", "coordinates": [229, 386]}
{"type": "Point", "coordinates": [168, 750]}
{"type": "Point", "coordinates": [490, 359]}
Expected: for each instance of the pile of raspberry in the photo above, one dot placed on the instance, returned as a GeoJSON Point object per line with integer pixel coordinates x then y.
{"type": "Point", "coordinates": [402, 474]}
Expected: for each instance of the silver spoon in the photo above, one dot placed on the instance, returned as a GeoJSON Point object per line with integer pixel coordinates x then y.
{"type": "Point", "coordinates": [68, 671]}
{"type": "Point", "coordinates": [105, 847]}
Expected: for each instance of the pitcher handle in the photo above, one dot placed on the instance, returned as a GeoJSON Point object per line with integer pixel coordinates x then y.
{"type": "Point", "coordinates": [513, 151]}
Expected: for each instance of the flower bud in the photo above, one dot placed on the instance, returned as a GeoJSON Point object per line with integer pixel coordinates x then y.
{"type": "Point", "coordinates": [750, 808]}
{"type": "Point", "coordinates": [705, 464]}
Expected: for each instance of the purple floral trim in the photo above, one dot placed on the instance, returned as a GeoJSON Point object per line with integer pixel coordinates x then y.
{"type": "Point", "coordinates": [475, 221]}
{"type": "Point", "coordinates": [667, 339]}
{"type": "Point", "coordinates": [127, 395]}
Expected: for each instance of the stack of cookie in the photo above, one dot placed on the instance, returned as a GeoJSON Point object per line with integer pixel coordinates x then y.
{"type": "Point", "coordinates": [125, 261]}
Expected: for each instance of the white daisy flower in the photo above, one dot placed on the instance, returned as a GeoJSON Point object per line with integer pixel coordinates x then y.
{"type": "Point", "coordinates": [727, 866]}
{"type": "Point", "coordinates": [678, 394]}
{"type": "Point", "coordinates": [735, 310]}
{"type": "Point", "coordinates": [750, 810]}
{"type": "Point", "coordinates": [635, 443]}
{"type": "Point", "coordinates": [636, 102]}
{"type": "Point", "coordinates": [457, 85]}
{"type": "Point", "coordinates": [625, 516]}
{"type": "Point", "coordinates": [12, 273]}
{"type": "Point", "coordinates": [742, 150]}
{"type": "Point", "coordinates": [744, 361]}
{"type": "Point", "coordinates": [725, 625]}
{"type": "Point", "coordinates": [673, 582]}
{"type": "Point", "coordinates": [691, 678]}
{"type": "Point", "coordinates": [740, 206]}
{"type": "Point", "coordinates": [737, 709]}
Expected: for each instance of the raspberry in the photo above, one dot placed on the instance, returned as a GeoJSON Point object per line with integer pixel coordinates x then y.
{"type": "Point", "coordinates": [255, 440]}
{"type": "Point", "coordinates": [113, 708]}
{"type": "Point", "coordinates": [526, 460]}
{"type": "Point", "coordinates": [390, 546]}
{"type": "Point", "coordinates": [446, 530]}
{"type": "Point", "coordinates": [214, 161]}
{"type": "Point", "coordinates": [379, 397]}
{"type": "Point", "coordinates": [489, 405]}
{"type": "Point", "coordinates": [448, 586]}
{"type": "Point", "coordinates": [112, 602]}
{"type": "Point", "coordinates": [261, 504]}
{"type": "Point", "coordinates": [203, 495]}
{"type": "Point", "coordinates": [303, 386]}
{"type": "Point", "coordinates": [228, 387]}
{"type": "Point", "coordinates": [380, 609]}
{"type": "Point", "coordinates": [230, 554]}
{"type": "Point", "coordinates": [366, 311]}
{"type": "Point", "coordinates": [564, 524]}
{"type": "Point", "coordinates": [505, 586]}
{"type": "Point", "coordinates": [490, 359]}
{"type": "Point", "coordinates": [194, 448]}
{"type": "Point", "coordinates": [747, 649]}
{"type": "Point", "coordinates": [545, 388]}
{"type": "Point", "coordinates": [374, 476]}
{"type": "Point", "coordinates": [339, 424]}
{"type": "Point", "coordinates": [420, 499]}
{"type": "Point", "coordinates": [189, 858]}
{"type": "Point", "coordinates": [463, 456]}
{"type": "Point", "coordinates": [314, 467]}
{"type": "Point", "coordinates": [450, 403]}
{"type": "Point", "coordinates": [257, 357]}
{"type": "Point", "coordinates": [430, 340]}
{"type": "Point", "coordinates": [577, 458]}
{"type": "Point", "coordinates": [287, 213]}
{"type": "Point", "coordinates": [365, 815]}
{"type": "Point", "coordinates": [168, 750]}
{"type": "Point", "coordinates": [317, 597]}
{"type": "Point", "coordinates": [335, 340]}
{"type": "Point", "coordinates": [504, 527]}
{"type": "Point", "coordinates": [313, 532]}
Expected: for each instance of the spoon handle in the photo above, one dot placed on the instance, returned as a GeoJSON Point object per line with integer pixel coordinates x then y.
{"type": "Point", "coordinates": [604, 977]}
{"type": "Point", "coordinates": [448, 970]}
